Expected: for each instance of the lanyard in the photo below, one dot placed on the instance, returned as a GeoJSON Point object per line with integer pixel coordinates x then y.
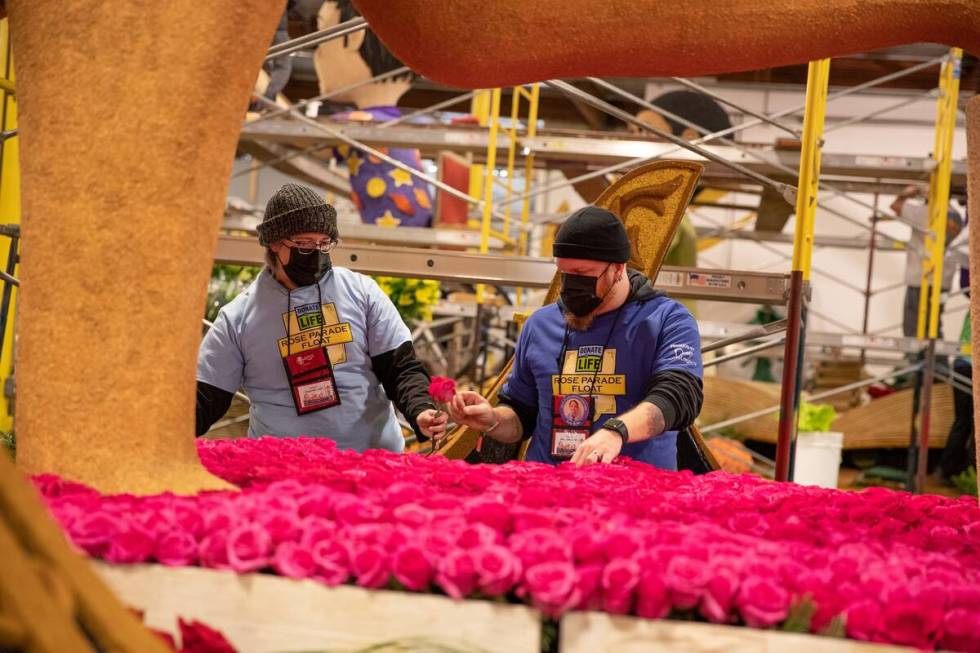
{"type": "Point", "coordinates": [289, 310]}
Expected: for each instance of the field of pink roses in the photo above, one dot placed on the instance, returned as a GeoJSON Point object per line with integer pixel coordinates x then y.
{"type": "Point", "coordinates": [623, 538]}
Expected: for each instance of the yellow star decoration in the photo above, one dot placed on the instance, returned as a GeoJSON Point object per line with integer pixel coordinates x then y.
{"type": "Point", "coordinates": [388, 220]}
{"type": "Point", "coordinates": [354, 163]}
{"type": "Point", "coordinates": [401, 177]}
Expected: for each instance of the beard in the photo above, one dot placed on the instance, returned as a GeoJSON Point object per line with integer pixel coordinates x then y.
{"type": "Point", "coordinates": [580, 323]}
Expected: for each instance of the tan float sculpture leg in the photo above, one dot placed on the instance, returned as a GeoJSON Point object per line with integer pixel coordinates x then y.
{"type": "Point", "coordinates": [507, 42]}
{"type": "Point", "coordinates": [129, 116]}
{"type": "Point", "coordinates": [973, 186]}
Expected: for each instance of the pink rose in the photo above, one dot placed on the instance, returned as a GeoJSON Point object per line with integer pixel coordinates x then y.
{"type": "Point", "coordinates": [369, 564]}
{"type": "Point", "coordinates": [552, 586]}
{"type": "Point", "coordinates": [442, 389]}
{"type": "Point", "coordinates": [94, 531]}
{"type": "Point", "coordinates": [330, 553]}
{"type": "Point", "coordinates": [411, 568]}
{"type": "Point", "coordinates": [686, 578]}
{"type": "Point", "coordinates": [494, 514]}
{"type": "Point", "coordinates": [281, 526]}
{"type": "Point", "coordinates": [961, 631]}
{"type": "Point", "coordinates": [497, 569]}
{"type": "Point", "coordinates": [912, 623]}
{"type": "Point", "coordinates": [178, 548]}
{"type": "Point", "coordinates": [457, 574]}
{"type": "Point", "coordinates": [619, 579]}
{"type": "Point", "coordinates": [761, 602]}
{"type": "Point", "coordinates": [213, 551]}
{"type": "Point", "coordinates": [476, 535]}
{"type": "Point", "coordinates": [588, 578]}
{"type": "Point", "coordinates": [652, 601]}
{"type": "Point", "coordinates": [293, 561]}
{"type": "Point", "coordinates": [314, 529]}
{"type": "Point", "coordinates": [248, 547]}
{"type": "Point", "coordinates": [413, 514]}
{"type": "Point", "coordinates": [719, 597]}
{"type": "Point", "coordinates": [130, 546]}
{"type": "Point", "coordinates": [197, 637]}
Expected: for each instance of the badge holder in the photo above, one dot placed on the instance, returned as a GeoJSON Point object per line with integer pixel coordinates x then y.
{"type": "Point", "coordinates": [571, 424]}
{"type": "Point", "coordinates": [311, 380]}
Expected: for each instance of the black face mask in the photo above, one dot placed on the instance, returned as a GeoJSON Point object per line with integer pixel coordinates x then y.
{"type": "Point", "coordinates": [578, 293]}
{"type": "Point", "coordinates": [306, 269]}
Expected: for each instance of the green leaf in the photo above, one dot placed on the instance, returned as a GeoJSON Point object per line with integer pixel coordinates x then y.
{"type": "Point", "coordinates": [816, 417]}
{"type": "Point", "coordinates": [800, 615]}
{"type": "Point", "coordinates": [836, 628]}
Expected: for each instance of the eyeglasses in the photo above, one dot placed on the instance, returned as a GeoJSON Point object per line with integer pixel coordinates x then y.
{"type": "Point", "coordinates": [307, 246]}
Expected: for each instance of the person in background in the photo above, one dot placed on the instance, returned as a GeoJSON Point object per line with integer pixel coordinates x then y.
{"type": "Point", "coordinates": [960, 450]}
{"type": "Point", "coordinates": [910, 205]}
{"type": "Point", "coordinates": [612, 344]}
{"type": "Point", "coordinates": [319, 350]}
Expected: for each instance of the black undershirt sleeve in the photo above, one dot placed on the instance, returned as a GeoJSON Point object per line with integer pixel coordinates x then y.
{"type": "Point", "coordinates": [528, 415]}
{"type": "Point", "coordinates": [212, 404]}
{"type": "Point", "coordinates": [678, 395]}
{"type": "Point", "coordinates": [405, 381]}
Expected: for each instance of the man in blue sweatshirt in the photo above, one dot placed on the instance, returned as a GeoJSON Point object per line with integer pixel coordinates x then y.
{"type": "Point", "coordinates": [614, 367]}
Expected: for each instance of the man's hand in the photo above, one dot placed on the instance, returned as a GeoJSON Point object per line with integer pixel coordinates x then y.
{"type": "Point", "coordinates": [601, 447]}
{"type": "Point", "coordinates": [433, 423]}
{"type": "Point", "coordinates": [473, 410]}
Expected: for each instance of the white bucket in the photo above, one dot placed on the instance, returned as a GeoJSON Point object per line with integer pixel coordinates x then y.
{"type": "Point", "coordinates": [818, 458]}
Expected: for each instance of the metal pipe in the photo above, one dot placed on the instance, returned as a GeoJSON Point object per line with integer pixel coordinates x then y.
{"type": "Point", "coordinates": [922, 453]}
{"type": "Point", "coordinates": [315, 38]}
{"type": "Point", "coordinates": [769, 344]}
{"type": "Point", "coordinates": [326, 96]}
{"type": "Point", "coordinates": [785, 190]}
{"type": "Point", "coordinates": [774, 409]}
{"type": "Point", "coordinates": [953, 383]}
{"type": "Point", "coordinates": [427, 110]}
{"type": "Point", "coordinates": [755, 155]}
{"type": "Point", "coordinates": [787, 416]}
{"type": "Point", "coordinates": [750, 334]}
{"type": "Point", "coordinates": [877, 112]}
{"type": "Point", "coordinates": [12, 257]}
{"type": "Point", "coordinates": [384, 157]}
{"type": "Point", "coordinates": [750, 112]}
{"type": "Point", "coordinates": [280, 159]}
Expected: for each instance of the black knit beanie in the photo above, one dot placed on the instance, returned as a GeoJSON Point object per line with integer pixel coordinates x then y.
{"type": "Point", "coordinates": [296, 209]}
{"type": "Point", "coordinates": [593, 234]}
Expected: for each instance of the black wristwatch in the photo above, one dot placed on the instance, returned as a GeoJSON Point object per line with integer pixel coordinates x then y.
{"type": "Point", "coordinates": [617, 425]}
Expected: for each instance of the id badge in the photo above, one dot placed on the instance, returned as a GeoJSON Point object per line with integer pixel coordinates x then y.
{"type": "Point", "coordinates": [311, 380]}
{"type": "Point", "coordinates": [571, 424]}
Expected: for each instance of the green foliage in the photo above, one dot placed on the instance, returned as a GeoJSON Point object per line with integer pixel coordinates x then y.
{"type": "Point", "coordinates": [226, 282]}
{"type": "Point", "coordinates": [414, 298]}
{"type": "Point", "coordinates": [967, 481]}
{"type": "Point", "coordinates": [816, 417]}
{"type": "Point", "coordinates": [9, 442]}
{"type": "Point", "coordinates": [837, 627]}
{"type": "Point", "coordinates": [800, 615]}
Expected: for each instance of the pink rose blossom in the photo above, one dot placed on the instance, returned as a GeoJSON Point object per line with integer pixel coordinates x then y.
{"type": "Point", "coordinates": [912, 623]}
{"type": "Point", "coordinates": [369, 564]}
{"type": "Point", "coordinates": [497, 569]}
{"type": "Point", "coordinates": [619, 579]}
{"type": "Point", "coordinates": [761, 602]}
{"type": "Point", "coordinates": [961, 631]}
{"type": "Point", "coordinates": [293, 560]}
{"type": "Point", "coordinates": [130, 546]}
{"type": "Point", "coordinates": [178, 548]}
{"type": "Point", "coordinates": [719, 597]}
{"type": "Point", "coordinates": [652, 600]}
{"type": "Point", "coordinates": [457, 573]}
{"type": "Point", "coordinates": [552, 586]}
{"type": "Point", "coordinates": [411, 568]}
{"type": "Point", "coordinates": [213, 550]}
{"type": "Point", "coordinates": [588, 578]}
{"type": "Point", "coordinates": [248, 548]}
{"type": "Point", "coordinates": [686, 579]}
